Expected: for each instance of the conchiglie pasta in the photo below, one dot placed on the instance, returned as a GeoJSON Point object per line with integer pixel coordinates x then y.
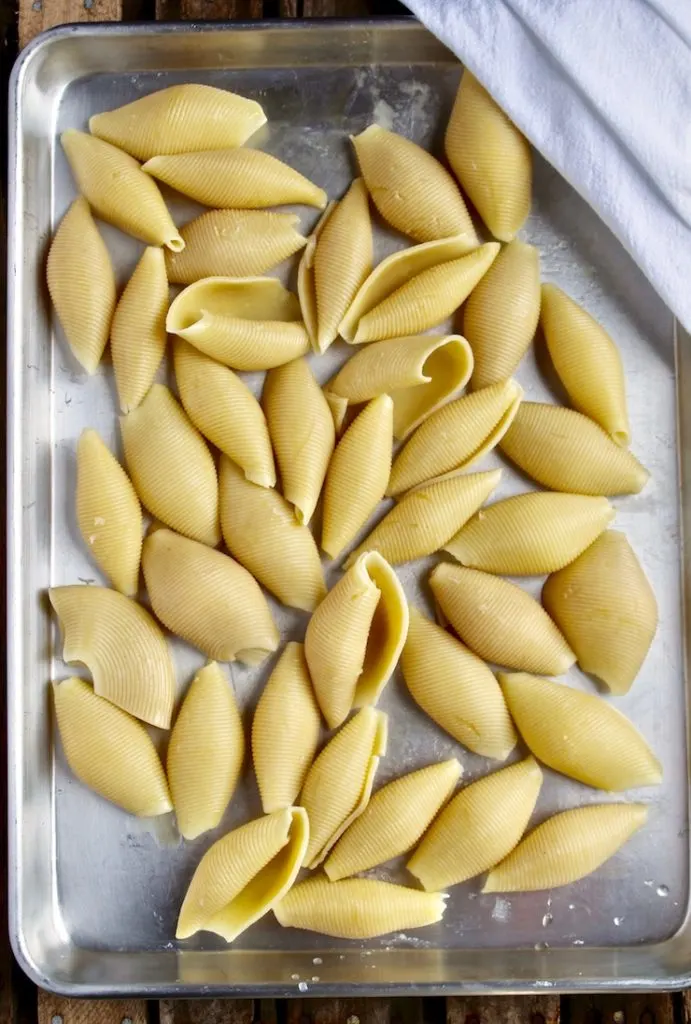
{"type": "Point", "coordinates": [339, 408]}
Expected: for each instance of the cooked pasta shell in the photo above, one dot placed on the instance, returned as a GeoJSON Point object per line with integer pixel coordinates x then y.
{"type": "Point", "coordinates": [225, 411]}
{"type": "Point", "coordinates": [606, 609]}
{"type": "Point", "coordinates": [498, 621]}
{"type": "Point", "coordinates": [358, 908]}
{"type": "Point", "coordinates": [339, 408]}
{"type": "Point", "coordinates": [82, 284]}
{"type": "Point", "coordinates": [480, 826]}
{"type": "Point", "coordinates": [242, 876]}
{"type": "Point", "coordinates": [587, 362]}
{"type": "Point", "coordinates": [171, 467]}
{"type": "Point", "coordinates": [355, 637]}
{"type": "Point", "coordinates": [118, 190]}
{"type": "Point", "coordinates": [261, 531]}
{"type": "Point", "coordinates": [490, 158]}
{"type": "Point", "coordinates": [531, 534]}
{"type": "Point", "coordinates": [208, 599]}
{"type": "Point", "coordinates": [579, 734]}
{"type": "Point", "coordinates": [285, 730]}
{"type": "Point", "coordinates": [457, 435]}
{"type": "Point", "coordinates": [110, 751]}
{"type": "Point", "coordinates": [122, 647]}
{"type": "Point", "coordinates": [179, 119]}
{"type": "Point", "coordinates": [567, 847]}
{"type": "Point", "coordinates": [302, 432]}
{"type": "Point", "coordinates": [246, 179]}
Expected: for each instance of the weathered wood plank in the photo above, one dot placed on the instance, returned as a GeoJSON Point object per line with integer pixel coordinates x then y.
{"type": "Point", "coordinates": [57, 1010]}
{"type": "Point", "coordinates": [633, 1008]}
{"type": "Point", "coordinates": [37, 15]}
{"type": "Point", "coordinates": [338, 1011]}
{"type": "Point", "coordinates": [503, 1010]}
{"type": "Point", "coordinates": [206, 1011]}
{"type": "Point", "coordinates": [208, 10]}
{"type": "Point", "coordinates": [335, 8]}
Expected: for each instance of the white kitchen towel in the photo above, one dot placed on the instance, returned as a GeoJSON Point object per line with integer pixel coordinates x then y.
{"type": "Point", "coordinates": [602, 88]}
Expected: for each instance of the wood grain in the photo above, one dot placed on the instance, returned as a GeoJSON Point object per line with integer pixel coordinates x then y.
{"type": "Point", "coordinates": [206, 1011]}
{"type": "Point", "coordinates": [57, 1010]}
{"type": "Point", "coordinates": [636, 1008]}
{"type": "Point", "coordinates": [338, 1011]}
{"type": "Point", "coordinates": [335, 8]}
{"type": "Point", "coordinates": [209, 10]}
{"type": "Point", "coordinates": [37, 15]}
{"type": "Point", "coordinates": [503, 1010]}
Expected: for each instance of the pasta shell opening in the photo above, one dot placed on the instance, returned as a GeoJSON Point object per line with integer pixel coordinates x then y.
{"type": "Point", "coordinates": [387, 632]}
{"type": "Point", "coordinates": [251, 298]}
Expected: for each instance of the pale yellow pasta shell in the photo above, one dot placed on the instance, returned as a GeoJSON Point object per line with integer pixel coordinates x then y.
{"type": "Point", "coordinates": [171, 467]}
{"type": "Point", "coordinates": [567, 847]}
{"type": "Point", "coordinates": [339, 408]}
{"type": "Point", "coordinates": [122, 647]}
{"type": "Point", "coordinates": [480, 826]}
{"type": "Point", "coordinates": [305, 279]}
{"type": "Point", "coordinates": [490, 158]}
{"type": "Point", "coordinates": [110, 751]}
{"type": "Point", "coordinates": [82, 284]}
{"type": "Point", "coordinates": [606, 609]}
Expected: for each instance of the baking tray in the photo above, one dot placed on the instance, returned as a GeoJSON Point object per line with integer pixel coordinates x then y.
{"type": "Point", "coordinates": [94, 894]}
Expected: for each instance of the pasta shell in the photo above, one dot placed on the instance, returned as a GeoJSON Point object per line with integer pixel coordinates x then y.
{"type": "Point", "coordinates": [394, 820]}
{"type": "Point", "coordinates": [587, 362]}
{"type": "Point", "coordinates": [531, 534]}
{"type": "Point", "coordinates": [501, 315]}
{"type": "Point", "coordinates": [567, 847]}
{"type": "Point", "coordinates": [207, 599]}
{"type": "Point", "coordinates": [606, 609]}
{"type": "Point", "coordinates": [411, 190]}
{"type": "Point", "coordinates": [456, 689]}
{"type": "Point", "coordinates": [363, 454]}
{"type": "Point", "coordinates": [285, 730]}
{"type": "Point", "coordinates": [339, 408]}
{"type": "Point", "coordinates": [261, 531]}
{"type": "Point", "coordinates": [122, 647]}
{"type": "Point", "coordinates": [119, 192]}
{"type": "Point", "coordinates": [480, 826]}
{"type": "Point", "coordinates": [339, 783]}
{"type": "Point", "coordinates": [108, 513]}
{"type": "Point", "coordinates": [171, 467]}
{"type": "Point", "coordinates": [82, 284]}
{"type": "Point", "coordinates": [109, 751]}
{"type": "Point", "coordinates": [302, 432]}
{"type": "Point", "coordinates": [225, 411]}
{"type": "Point", "coordinates": [355, 637]}
{"type": "Point", "coordinates": [242, 876]}
{"type": "Point", "coordinates": [246, 179]}
{"type": "Point", "coordinates": [579, 734]}
{"type": "Point", "coordinates": [180, 119]}
{"type": "Point", "coordinates": [498, 621]}
{"type": "Point", "coordinates": [138, 334]}
{"type": "Point", "coordinates": [205, 753]}
{"type": "Point", "coordinates": [457, 435]}
{"type": "Point", "coordinates": [490, 158]}
{"type": "Point", "coordinates": [358, 908]}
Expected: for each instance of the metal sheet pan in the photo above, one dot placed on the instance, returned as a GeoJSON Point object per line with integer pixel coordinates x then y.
{"type": "Point", "coordinates": [94, 894]}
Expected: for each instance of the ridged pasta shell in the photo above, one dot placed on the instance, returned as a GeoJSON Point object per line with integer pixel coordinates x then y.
{"type": "Point", "coordinates": [172, 469]}
{"type": "Point", "coordinates": [339, 408]}
{"type": "Point", "coordinates": [245, 179]}
{"type": "Point", "coordinates": [363, 454]}
{"type": "Point", "coordinates": [179, 119]}
{"type": "Point", "coordinates": [587, 362]}
{"type": "Point", "coordinates": [606, 609]}
{"type": "Point", "coordinates": [531, 534]}
{"type": "Point", "coordinates": [207, 599]}
{"type": "Point", "coordinates": [242, 876]}
{"type": "Point", "coordinates": [138, 334]}
{"type": "Point", "coordinates": [261, 531]}
{"type": "Point", "coordinates": [498, 621]}
{"type": "Point", "coordinates": [302, 433]}
{"type": "Point", "coordinates": [118, 191]}
{"type": "Point", "coordinates": [285, 730]}
{"type": "Point", "coordinates": [567, 847]}
{"type": "Point", "coordinates": [394, 820]}
{"type": "Point", "coordinates": [501, 315]}
{"type": "Point", "coordinates": [480, 826]}
{"type": "Point", "coordinates": [456, 436]}
{"type": "Point", "coordinates": [122, 647]}
{"type": "Point", "coordinates": [490, 158]}
{"type": "Point", "coordinates": [355, 637]}
{"type": "Point", "coordinates": [108, 513]}
{"type": "Point", "coordinates": [579, 734]}
{"type": "Point", "coordinates": [358, 908]}
{"type": "Point", "coordinates": [82, 284]}
{"type": "Point", "coordinates": [205, 752]}
{"type": "Point", "coordinates": [225, 411]}
{"type": "Point", "coordinates": [109, 751]}
{"type": "Point", "coordinates": [411, 190]}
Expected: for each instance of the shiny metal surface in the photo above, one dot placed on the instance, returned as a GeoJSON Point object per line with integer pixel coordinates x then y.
{"type": "Point", "coordinates": [95, 894]}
